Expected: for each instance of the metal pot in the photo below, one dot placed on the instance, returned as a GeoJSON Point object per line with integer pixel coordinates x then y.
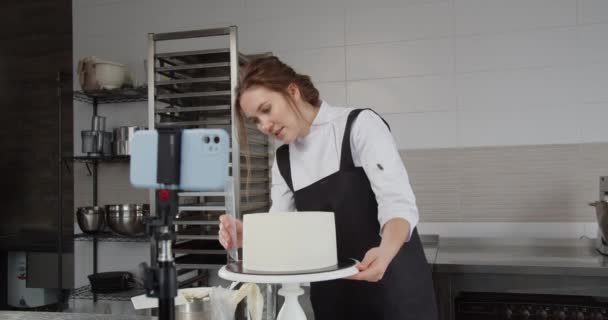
{"type": "Point", "coordinates": [106, 144]}
{"type": "Point", "coordinates": [126, 133]}
{"type": "Point", "coordinates": [89, 141]}
{"type": "Point", "coordinates": [120, 148]}
{"type": "Point", "coordinates": [601, 211]}
{"type": "Point", "coordinates": [122, 138]}
{"type": "Point", "coordinates": [98, 123]}
{"type": "Point", "coordinates": [90, 219]}
{"type": "Point", "coordinates": [96, 143]}
{"type": "Point", "coordinates": [127, 219]}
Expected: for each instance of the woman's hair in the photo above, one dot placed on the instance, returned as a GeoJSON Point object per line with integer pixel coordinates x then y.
{"type": "Point", "coordinates": [271, 73]}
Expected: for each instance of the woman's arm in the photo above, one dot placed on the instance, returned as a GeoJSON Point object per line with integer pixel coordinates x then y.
{"type": "Point", "coordinates": [282, 200]}
{"type": "Point", "coordinates": [375, 150]}
{"type": "Point", "coordinates": [396, 232]}
{"type": "Point", "coordinates": [377, 260]}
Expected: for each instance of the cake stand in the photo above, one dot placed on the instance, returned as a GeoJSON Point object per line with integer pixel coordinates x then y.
{"type": "Point", "coordinates": [290, 283]}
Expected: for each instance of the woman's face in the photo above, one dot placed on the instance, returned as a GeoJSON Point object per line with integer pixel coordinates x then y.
{"type": "Point", "coordinates": [272, 113]}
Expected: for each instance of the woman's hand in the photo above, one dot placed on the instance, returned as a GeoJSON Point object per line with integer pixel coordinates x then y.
{"type": "Point", "coordinates": [229, 224]}
{"type": "Point", "coordinates": [377, 259]}
{"type": "Point", "coordinates": [374, 265]}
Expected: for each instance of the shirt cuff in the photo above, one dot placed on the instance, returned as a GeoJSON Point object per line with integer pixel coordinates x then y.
{"type": "Point", "coordinates": [411, 217]}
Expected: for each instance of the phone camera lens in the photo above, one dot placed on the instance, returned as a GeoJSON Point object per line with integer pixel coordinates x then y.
{"type": "Point", "coordinates": [216, 139]}
{"type": "Point", "coordinates": [206, 139]}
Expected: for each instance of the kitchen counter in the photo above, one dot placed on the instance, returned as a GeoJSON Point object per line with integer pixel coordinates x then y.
{"type": "Point", "coordinates": [539, 267]}
{"type": "Point", "coordinates": [514, 265]}
{"type": "Point", "coordinates": [430, 244]}
{"type": "Point", "coordinates": [520, 256]}
{"type": "Point", "coordinates": [21, 315]}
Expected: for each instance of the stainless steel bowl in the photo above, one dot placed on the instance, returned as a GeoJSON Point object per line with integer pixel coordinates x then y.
{"type": "Point", "coordinates": [90, 219]}
{"type": "Point", "coordinates": [127, 219]}
{"type": "Point", "coordinates": [196, 309]}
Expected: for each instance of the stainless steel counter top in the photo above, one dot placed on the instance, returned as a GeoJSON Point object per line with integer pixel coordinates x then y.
{"type": "Point", "coordinates": [520, 256]}
{"type": "Point", "coordinates": [20, 315]}
{"type": "Point", "coordinates": [430, 244]}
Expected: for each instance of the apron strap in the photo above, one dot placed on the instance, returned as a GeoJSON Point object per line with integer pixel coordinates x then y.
{"type": "Point", "coordinates": [283, 163]}
{"type": "Point", "coordinates": [346, 157]}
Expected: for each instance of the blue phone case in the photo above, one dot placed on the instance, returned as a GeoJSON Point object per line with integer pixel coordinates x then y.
{"type": "Point", "coordinates": [204, 159]}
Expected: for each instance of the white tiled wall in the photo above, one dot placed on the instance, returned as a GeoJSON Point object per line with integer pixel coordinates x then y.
{"type": "Point", "coordinates": [333, 91]}
{"type": "Point", "coordinates": [399, 59]}
{"type": "Point", "coordinates": [509, 126]}
{"type": "Point", "coordinates": [322, 64]}
{"type": "Point", "coordinates": [495, 16]}
{"type": "Point", "coordinates": [444, 73]}
{"type": "Point", "coordinates": [521, 49]}
{"type": "Point", "coordinates": [401, 21]}
{"type": "Point", "coordinates": [424, 130]}
{"type": "Point", "coordinates": [491, 62]}
{"type": "Point", "coordinates": [423, 94]}
{"type": "Point", "coordinates": [522, 89]}
{"type": "Point", "coordinates": [592, 11]}
{"type": "Point", "coordinates": [591, 49]}
{"type": "Point", "coordinates": [592, 121]}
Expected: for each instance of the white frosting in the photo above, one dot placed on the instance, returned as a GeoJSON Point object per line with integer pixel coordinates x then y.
{"type": "Point", "coordinates": [289, 241]}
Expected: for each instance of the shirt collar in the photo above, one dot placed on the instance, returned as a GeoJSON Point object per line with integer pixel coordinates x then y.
{"type": "Point", "coordinates": [323, 115]}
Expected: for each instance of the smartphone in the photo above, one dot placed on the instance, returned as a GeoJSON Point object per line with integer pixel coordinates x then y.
{"type": "Point", "coordinates": [205, 155]}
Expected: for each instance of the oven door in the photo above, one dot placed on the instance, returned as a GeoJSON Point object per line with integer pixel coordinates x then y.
{"type": "Point", "coordinates": [499, 306]}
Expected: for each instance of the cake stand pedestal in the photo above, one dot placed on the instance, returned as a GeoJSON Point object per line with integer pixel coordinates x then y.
{"type": "Point", "coordinates": [290, 283]}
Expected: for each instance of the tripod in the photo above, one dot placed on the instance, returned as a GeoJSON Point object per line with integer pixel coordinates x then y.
{"type": "Point", "coordinates": [161, 278]}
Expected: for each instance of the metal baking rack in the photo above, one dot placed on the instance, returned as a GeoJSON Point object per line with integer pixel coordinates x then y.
{"type": "Point", "coordinates": [195, 89]}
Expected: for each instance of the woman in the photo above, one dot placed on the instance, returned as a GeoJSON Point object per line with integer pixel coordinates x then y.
{"type": "Point", "coordinates": [345, 161]}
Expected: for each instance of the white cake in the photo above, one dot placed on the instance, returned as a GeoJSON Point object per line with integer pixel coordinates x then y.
{"type": "Point", "coordinates": [289, 241]}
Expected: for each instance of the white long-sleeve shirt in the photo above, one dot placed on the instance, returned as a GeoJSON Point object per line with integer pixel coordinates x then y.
{"type": "Point", "coordinates": [317, 155]}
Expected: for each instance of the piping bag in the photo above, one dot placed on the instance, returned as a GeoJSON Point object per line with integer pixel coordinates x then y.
{"type": "Point", "coordinates": [224, 302]}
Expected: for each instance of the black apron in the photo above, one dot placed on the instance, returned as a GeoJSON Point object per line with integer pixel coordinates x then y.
{"type": "Point", "coordinates": [406, 290]}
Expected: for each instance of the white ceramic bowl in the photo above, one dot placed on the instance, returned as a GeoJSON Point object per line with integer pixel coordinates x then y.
{"type": "Point", "coordinates": [110, 75]}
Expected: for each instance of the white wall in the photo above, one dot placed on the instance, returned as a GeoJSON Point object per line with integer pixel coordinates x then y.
{"type": "Point", "coordinates": [444, 73]}
{"type": "Point", "coordinates": [447, 73]}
